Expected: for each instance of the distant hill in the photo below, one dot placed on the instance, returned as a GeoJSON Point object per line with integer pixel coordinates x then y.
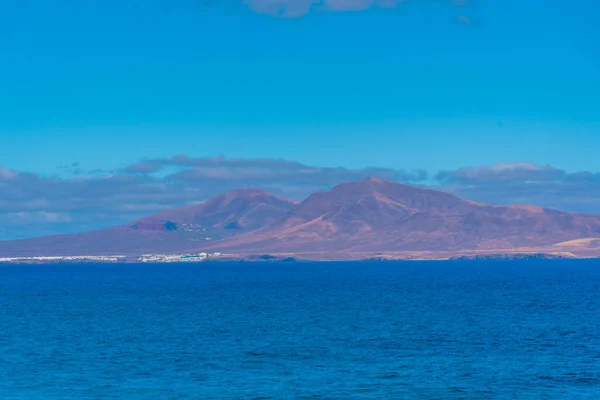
{"type": "Point", "coordinates": [174, 230]}
{"type": "Point", "coordinates": [221, 216]}
{"type": "Point", "coordinates": [369, 217]}
{"type": "Point", "coordinates": [378, 215]}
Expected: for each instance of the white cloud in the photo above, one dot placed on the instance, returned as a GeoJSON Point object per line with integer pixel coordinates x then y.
{"type": "Point", "coordinates": [32, 204]}
{"type": "Point", "coordinates": [38, 217]}
{"type": "Point", "coordinates": [524, 182]}
{"type": "Point", "coordinates": [6, 173]}
{"type": "Point", "coordinates": [299, 8]}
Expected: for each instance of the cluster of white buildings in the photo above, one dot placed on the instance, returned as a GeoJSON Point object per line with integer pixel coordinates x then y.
{"type": "Point", "coordinates": [177, 257]}
{"type": "Point", "coordinates": [109, 259]}
{"type": "Point", "coordinates": [58, 259]}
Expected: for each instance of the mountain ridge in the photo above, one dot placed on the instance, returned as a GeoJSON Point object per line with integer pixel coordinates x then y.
{"type": "Point", "coordinates": [379, 215]}
{"type": "Point", "coordinates": [371, 216]}
{"type": "Point", "coordinates": [246, 209]}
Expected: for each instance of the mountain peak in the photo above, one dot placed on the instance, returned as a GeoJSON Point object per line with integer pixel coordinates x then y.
{"type": "Point", "coordinates": [373, 179]}
{"type": "Point", "coordinates": [237, 209]}
{"type": "Point", "coordinates": [368, 216]}
{"type": "Point", "coordinates": [375, 214]}
{"type": "Point", "coordinates": [250, 192]}
{"type": "Point", "coordinates": [381, 184]}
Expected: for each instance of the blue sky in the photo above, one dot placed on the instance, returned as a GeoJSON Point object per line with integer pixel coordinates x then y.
{"type": "Point", "coordinates": [425, 85]}
{"type": "Point", "coordinates": [107, 83]}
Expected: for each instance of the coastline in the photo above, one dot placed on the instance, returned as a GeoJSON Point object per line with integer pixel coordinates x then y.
{"type": "Point", "coordinates": [466, 255]}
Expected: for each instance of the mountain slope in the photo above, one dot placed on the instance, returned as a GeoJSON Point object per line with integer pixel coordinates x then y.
{"type": "Point", "coordinates": [170, 231]}
{"type": "Point", "coordinates": [238, 210]}
{"type": "Point", "coordinates": [377, 215]}
{"type": "Point", "coordinates": [366, 217]}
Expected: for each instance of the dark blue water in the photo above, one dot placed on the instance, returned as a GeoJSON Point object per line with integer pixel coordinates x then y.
{"type": "Point", "coordinates": [371, 330]}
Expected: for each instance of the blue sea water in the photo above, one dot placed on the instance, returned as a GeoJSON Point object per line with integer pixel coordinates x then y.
{"type": "Point", "coordinates": [365, 330]}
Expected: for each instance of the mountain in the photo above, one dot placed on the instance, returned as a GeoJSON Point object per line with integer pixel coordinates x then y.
{"type": "Point", "coordinates": [356, 219]}
{"type": "Point", "coordinates": [374, 215]}
{"type": "Point", "coordinates": [221, 216]}
{"type": "Point", "coordinates": [170, 231]}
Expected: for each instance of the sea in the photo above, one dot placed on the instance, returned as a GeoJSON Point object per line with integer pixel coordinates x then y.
{"type": "Point", "coordinates": [527, 329]}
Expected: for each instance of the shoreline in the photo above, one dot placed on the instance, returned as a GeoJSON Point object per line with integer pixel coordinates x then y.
{"type": "Point", "coordinates": [470, 255]}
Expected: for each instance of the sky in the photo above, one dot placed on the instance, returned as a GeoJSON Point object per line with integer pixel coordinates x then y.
{"type": "Point", "coordinates": [477, 97]}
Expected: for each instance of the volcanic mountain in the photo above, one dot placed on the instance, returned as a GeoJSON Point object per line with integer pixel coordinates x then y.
{"type": "Point", "coordinates": [371, 216]}
{"type": "Point", "coordinates": [239, 210]}
{"type": "Point", "coordinates": [377, 215]}
{"type": "Point", "coordinates": [170, 231]}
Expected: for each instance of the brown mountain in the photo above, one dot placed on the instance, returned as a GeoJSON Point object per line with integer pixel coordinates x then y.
{"type": "Point", "coordinates": [238, 210]}
{"type": "Point", "coordinates": [376, 216]}
{"type": "Point", "coordinates": [170, 231]}
{"type": "Point", "coordinates": [366, 217]}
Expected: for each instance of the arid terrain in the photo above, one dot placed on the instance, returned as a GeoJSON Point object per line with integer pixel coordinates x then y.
{"type": "Point", "coordinates": [367, 219]}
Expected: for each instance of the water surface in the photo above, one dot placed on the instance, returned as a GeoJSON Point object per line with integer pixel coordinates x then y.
{"type": "Point", "coordinates": [367, 330]}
